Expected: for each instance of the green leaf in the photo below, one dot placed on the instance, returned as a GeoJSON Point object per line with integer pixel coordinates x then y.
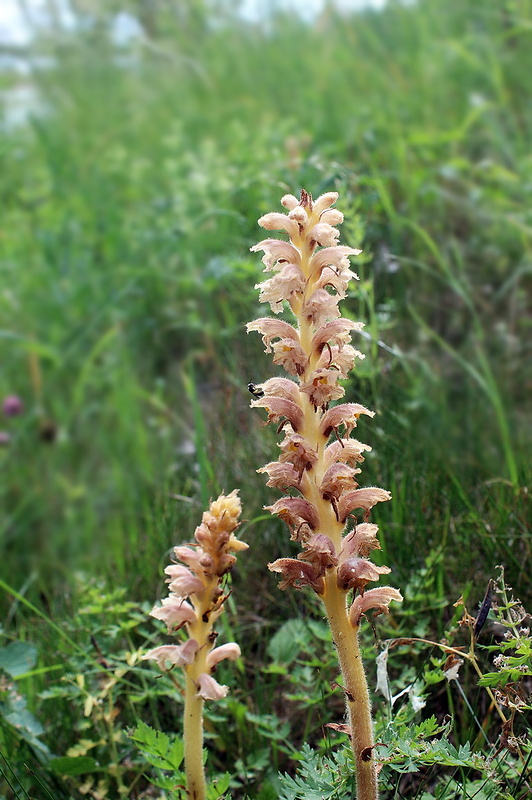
{"type": "Point", "coordinates": [287, 643]}
{"type": "Point", "coordinates": [18, 658]}
{"type": "Point", "coordinates": [69, 765]}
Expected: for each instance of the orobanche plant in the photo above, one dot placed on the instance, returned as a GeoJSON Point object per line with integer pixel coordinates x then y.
{"type": "Point", "coordinates": [199, 577]}
{"type": "Point", "coordinates": [317, 469]}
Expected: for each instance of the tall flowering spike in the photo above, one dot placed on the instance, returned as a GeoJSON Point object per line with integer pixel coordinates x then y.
{"type": "Point", "coordinates": [327, 511]}
{"type": "Point", "coordinates": [195, 602]}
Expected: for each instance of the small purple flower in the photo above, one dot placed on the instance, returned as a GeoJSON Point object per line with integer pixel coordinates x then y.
{"type": "Point", "coordinates": [5, 438]}
{"type": "Point", "coordinates": [12, 406]}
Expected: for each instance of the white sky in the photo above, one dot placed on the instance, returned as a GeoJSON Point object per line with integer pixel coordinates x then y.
{"type": "Point", "coordinates": [13, 29]}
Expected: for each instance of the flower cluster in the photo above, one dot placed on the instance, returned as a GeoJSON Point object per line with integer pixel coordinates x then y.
{"type": "Point", "coordinates": [318, 465]}
{"type": "Point", "coordinates": [196, 598]}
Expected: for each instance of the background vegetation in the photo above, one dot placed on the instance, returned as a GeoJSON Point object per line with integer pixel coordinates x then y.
{"type": "Point", "coordinates": [129, 202]}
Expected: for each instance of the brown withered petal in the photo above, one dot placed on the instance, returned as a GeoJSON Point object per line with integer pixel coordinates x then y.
{"type": "Point", "coordinates": [347, 450]}
{"type": "Point", "coordinates": [275, 251]}
{"type": "Point", "coordinates": [295, 511]}
{"type": "Point", "coordinates": [379, 599]}
{"type": "Point", "coordinates": [281, 476]}
{"type": "Point", "coordinates": [355, 573]}
{"type": "Point", "coordinates": [278, 408]}
{"type": "Point", "coordinates": [272, 329]}
{"type": "Point", "coordinates": [297, 574]}
{"type": "Point", "coordinates": [297, 451]}
{"type": "Point", "coordinates": [320, 551]}
{"type": "Point", "coordinates": [339, 478]}
{"type": "Point", "coordinates": [360, 541]}
{"type": "Point", "coordinates": [345, 414]}
{"type": "Point", "coordinates": [364, 498]}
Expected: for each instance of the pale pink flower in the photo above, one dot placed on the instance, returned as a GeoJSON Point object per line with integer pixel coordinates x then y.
{"type": "Point", "coordinates": [345, 414]}
{"type": "Point", "coordinates": [332, 217]}
{"type": "Point", "coordinates": [324, 201]}
{"type": "Point", "coordinates": [277, 252]}
{"type": "Point", "coordinates": [272, 329]}
{"type": "Point", "coordinates": [230, 650]}
{"type": "Point", "coordinates": [338, 478]}
{"type": "Point", "coordinates": [174, 612]}
{"type": "Point", "coordinates": [379, 599]}
{"type": "Point", "coordinates": [282, 476]}
{"type": "Point", "coordinates": [342, 359]}
{"type": "Point", "coordinates": [334, 279]}
{"type": "Point", "coordinates": [324, 234]}
{"type": "Point", "coordinates": [346, 450]}
{"type": "Point", "coordinates": [289, 281]}
{"type": "Point", "coordinates": [281, 387]}
{"type": "Point", "coordinates": [322, 388]}
{"type": "Point", "coordinates": [210, 689]}
{"type": "Point", "coordinates": [364, 498]}
{"type": "Point", "coordinates": [188, 555]}
{"type": "Point", "coordinates": [360, 541]}
{"type": "Point", "coordinates": [290, 355]}
{"type": "Point", "coordinates": [289, 201]}
{"type": "Point", "coordinates": [279, 222]}
{"type": "Point", "coordinates": [278, 408]}
{"type": "Point", "coordinates": [182, 582]}
{"type": "Point", "coordinates": [296, 450]}
{"type": "Point", "coordinates": [299, 214]}
{"type": "Point", "coordinates": [180, 655]}
{"type": "Point", "coordinates": [332, 257]}
{"type": "Point", "coordinates": [320, 307]}
{"type": "Point", "coordinates": [337, 331]}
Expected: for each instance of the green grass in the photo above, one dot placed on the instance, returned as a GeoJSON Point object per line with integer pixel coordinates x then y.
{"type": "Point", "coordinates": [128, 208]}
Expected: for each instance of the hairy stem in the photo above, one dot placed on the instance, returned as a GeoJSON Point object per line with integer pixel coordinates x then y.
{"type": "Point", "coordinates": [345, 638]}
{"type": "Point", "coordinates": [193, 736]}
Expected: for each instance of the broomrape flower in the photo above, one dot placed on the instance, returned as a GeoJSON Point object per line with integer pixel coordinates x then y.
{"type": "Point", "coordinates": [324, 507]}
{"type": "Point", "coordinates": [195, 602]}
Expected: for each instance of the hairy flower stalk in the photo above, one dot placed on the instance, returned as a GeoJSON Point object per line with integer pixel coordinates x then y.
{"type": "Point", "coordinates": [318, 466]}
{"type": "Point", "coordinates": [195, 602]}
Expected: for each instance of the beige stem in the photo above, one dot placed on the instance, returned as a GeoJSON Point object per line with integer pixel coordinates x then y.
{"type": "Point", "coordinates": [355, 687]}
{"type": "Point", "coordinates": [193, 736]}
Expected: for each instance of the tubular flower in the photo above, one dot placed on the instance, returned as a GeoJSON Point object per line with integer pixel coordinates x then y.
{"type": "Point", "coordinates": [316, 350]}
{"type": "Point", "coordinates": [319, 460]}
{"type": "Point", "coordinates": [195, 602]}
{"type": "Point", "coordinates": [198, 578]}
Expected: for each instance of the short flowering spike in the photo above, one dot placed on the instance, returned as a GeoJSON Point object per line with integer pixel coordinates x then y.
{"type": "Point", "coordinates": [195, 602]}
{"type": "Point", "coordinates": [319, 460]}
